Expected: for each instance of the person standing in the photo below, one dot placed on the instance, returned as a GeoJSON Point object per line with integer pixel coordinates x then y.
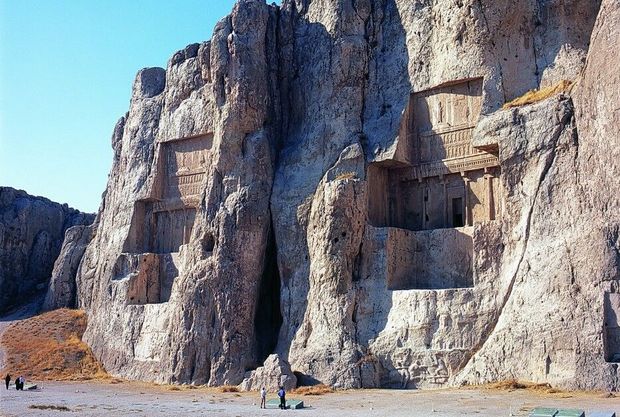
{"type": "Point", "coordinates": [7, 380]}
{"type": "Point", "coordinates": [263, 397]}
{"type": "Point", "coordinates": [282, 395]}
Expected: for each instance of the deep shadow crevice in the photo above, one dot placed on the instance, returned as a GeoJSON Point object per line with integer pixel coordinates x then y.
{"type": "Point", "coordinates": [268, 318]}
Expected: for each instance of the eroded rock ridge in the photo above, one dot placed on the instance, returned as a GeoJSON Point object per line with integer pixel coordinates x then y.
{"type": "Point", "coordinates": [32, 230]}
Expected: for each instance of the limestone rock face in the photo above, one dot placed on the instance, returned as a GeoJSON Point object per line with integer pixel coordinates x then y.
{"type": "Point", "coordinates": [61, 291]}
{"type": "Point", "coordinates": [273, 374]}
{"type": "Point", "coordinates": [336, 183]}
{"type": "Point", "coordinates": [31, 234]}
{"type": "Point", "coordinates": [559, 320]}
{"type": "Point", "coordinates": [177, 263]}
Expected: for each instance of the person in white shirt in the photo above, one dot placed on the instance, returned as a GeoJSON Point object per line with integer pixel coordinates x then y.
{"type": "Point", "coordinates": [263, 397]}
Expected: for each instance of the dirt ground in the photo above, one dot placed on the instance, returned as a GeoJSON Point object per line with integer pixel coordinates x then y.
{"type": "Point", "coordinates": [141, 399]}
{"type": "Point", "coordinates": [111, 397]}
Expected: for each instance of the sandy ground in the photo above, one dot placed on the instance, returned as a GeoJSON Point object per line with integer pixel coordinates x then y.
{"type": "Point", "coordinates": [140, 399]}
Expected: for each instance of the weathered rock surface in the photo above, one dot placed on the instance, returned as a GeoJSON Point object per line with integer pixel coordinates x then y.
{"type": "Point", "coordinates": [61, 291]}
{"type": "Point", "coordinates": [32, 230]}
{"type": "Point", "coordinates": [273, 374]}
{"type": "Point", "coordinates": [336, 182]}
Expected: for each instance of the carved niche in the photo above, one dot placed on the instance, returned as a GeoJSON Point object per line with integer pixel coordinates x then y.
{"type": "Point", "coordinates": [448, 183]}
{"type": "Point", "coordinates": [182, 167]}
{"type": "Point", "coordinates": [437, 192]}
{"type": "Point", "coordinates": [163, 222]}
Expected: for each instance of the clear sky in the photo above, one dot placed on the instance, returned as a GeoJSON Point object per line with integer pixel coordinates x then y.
{"type": "Point", "coordinates": [66, 69]}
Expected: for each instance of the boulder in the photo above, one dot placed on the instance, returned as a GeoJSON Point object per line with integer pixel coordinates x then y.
{"type": "Point", "coordinates": [274, 373]}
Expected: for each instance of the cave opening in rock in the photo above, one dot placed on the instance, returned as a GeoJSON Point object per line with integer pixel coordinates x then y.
{"type": "Point", "coordinates": [268, 318]}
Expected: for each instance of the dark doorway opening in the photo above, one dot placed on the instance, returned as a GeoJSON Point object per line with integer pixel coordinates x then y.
{"type": "Point", "coordinates": [457, 212]}
{"type": "Point", "coordinates": [268, 317]}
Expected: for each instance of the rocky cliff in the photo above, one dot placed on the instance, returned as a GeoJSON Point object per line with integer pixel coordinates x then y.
{"type": "Point", "coordinates": [32, 230]}
{"type": "Point", "coordinates": [336, 182]}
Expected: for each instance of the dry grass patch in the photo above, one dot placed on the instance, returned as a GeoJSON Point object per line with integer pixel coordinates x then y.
{"type": "Point", "coordinates": [534, 96]}
{"type": "Point", "coordinates": [50, 347]}
{"type": "Point", "coordinates": [346, 176]}
{"type": "Point", "coordinates": [512, 385]}
{"type": "Point", "coordinates": [319, 389]}
{"type": "Point", "coordinates": [229, 388]}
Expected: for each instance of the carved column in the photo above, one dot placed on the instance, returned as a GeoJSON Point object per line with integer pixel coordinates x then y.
{"type": "Point", "coordinates": [185, 238]}
{"type": "Point", "coordinates": [466, 180]}
{"type": "Point", "coordinates": [443, 181]}
{"type": "Point", "coordinates": [424, 202]}
{"type": "Point", "coordinates": [488, 176]}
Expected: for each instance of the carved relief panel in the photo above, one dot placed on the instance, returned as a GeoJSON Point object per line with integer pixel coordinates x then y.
{"type": "Point", "coordinates": [185, 164]}
{"type": "Point", "coordinates": [443, 122]}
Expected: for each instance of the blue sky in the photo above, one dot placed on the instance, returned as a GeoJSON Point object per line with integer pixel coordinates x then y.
{"type": "Point", "coordinates": [66, 69]}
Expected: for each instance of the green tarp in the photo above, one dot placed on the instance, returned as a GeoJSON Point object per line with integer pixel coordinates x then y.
{"type": "Point", "coordinates": [544, 412]}
{"type": "Point", "coordinates": [555, 412]}
{"type": "Point", "coordinates": [290, 404]}
{"type": "Point", "coordinates": [570, 413]}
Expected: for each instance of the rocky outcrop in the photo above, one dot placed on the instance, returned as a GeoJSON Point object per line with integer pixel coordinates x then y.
{"type": "Point", "coordinates": [31, 234]}
{"type": "Point", "coordinates": [61, 291]}
{"type": "Point", "coordinates": [336, 183]}
{"type": "Point", "coordinates": [189, 190]}
{"type": "Point", "coordinates": [274, 373]}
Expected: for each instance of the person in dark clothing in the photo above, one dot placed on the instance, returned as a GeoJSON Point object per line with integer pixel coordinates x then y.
{"type": "Point", "coordinates": [7, 380]}
{"type": "Point", "coordinates": [282, 395]}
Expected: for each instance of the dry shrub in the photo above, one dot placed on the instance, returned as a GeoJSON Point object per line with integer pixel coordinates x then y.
{"type": "Point", "coordinates": [534, 96]}
{"type": "Point", "coordinates": [229, 388]}
{"type": "Point", "coordinates": [319, 389]}
{"type": "Point", "coordinates": [512, 384]}
{"type": "Point", "coordinates": [50, 347]}
{"type": "Point", "coordinates": [346, 176]}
